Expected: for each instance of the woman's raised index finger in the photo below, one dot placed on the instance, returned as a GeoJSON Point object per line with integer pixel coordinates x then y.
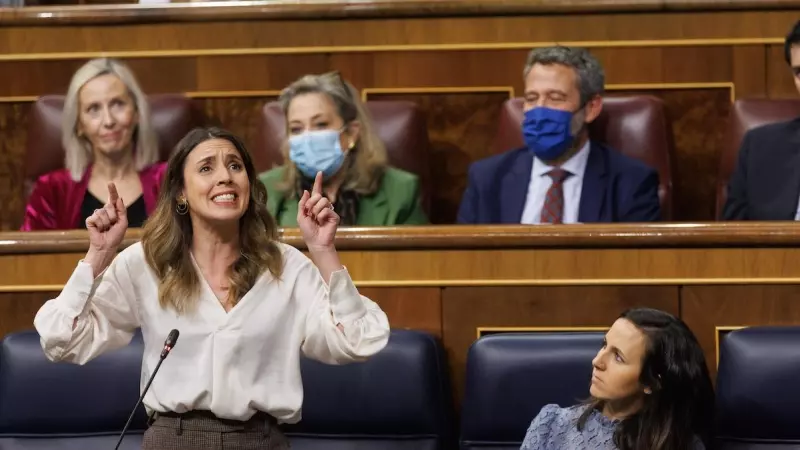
{"type": "Point", "coordinates": [317, 184]}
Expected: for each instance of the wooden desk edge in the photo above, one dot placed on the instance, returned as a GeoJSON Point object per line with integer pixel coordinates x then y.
{"type": "Point", "coordinates": [668, 235]}
{"type": "Point", "coordinates": [331, 9]}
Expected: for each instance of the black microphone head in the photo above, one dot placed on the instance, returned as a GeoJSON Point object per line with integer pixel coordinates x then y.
{"type": "Point", "coordinates": [169, 343]}
{"type": "Point", "coordinates": [172, 338]}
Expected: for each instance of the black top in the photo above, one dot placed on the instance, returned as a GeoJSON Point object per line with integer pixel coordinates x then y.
{"type": "Point", "coordinates": [347, 200]}
{"type": "Point", "coordinates": [346, 204]}
{"type": "Point", "coordinates": [137, 213]}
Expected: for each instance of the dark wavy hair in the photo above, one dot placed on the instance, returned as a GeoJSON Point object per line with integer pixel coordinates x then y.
{"type": "Point", "coordinates": [167, 234]}
{"type": "Point", "coordinates": [681, 405]}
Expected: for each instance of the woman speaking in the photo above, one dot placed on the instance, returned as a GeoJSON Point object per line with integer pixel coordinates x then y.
{"type": "Point", "coordinates": [210, 265]}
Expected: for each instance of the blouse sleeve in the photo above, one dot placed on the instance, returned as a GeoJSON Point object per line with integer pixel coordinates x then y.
{"type": "Point", "coordinates": [539, 430]}
{"type": "Point", "coordinates": [90, 316]}
{"type": "Point", "coordinates": [366, 327]}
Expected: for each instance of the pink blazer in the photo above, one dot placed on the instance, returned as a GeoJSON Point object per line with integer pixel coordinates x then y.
{"type": "Point", "coordinates": [56, 200]}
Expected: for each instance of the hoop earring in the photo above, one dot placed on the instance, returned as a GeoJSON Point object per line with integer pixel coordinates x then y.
{"type": "Point", "coordinates": [182, 206]}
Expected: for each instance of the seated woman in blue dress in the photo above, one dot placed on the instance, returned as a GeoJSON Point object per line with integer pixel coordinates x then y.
{"type": "Point", "coordinates": [650, 390]}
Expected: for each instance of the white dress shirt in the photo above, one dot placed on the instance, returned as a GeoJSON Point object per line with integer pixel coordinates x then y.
{"type": "Point", "coordinates": [541, 182]}
{"type": "Point", "coordinates": [233, 363]}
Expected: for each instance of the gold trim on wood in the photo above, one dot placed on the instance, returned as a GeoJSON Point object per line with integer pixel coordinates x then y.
{"type": "Point", "coordinates": [717, 330]}
{"type": "Point", "coordinates": [190, 94]}
{"type": "Point", "coordinates": [131, 54]}
{"type": "Point", "coordinates": [566, 282]}
{"type": "Point", "coordinates": [232, 94]}
{"type": "Point", "coordinates": [472, 282]}
{"type": "Point", "coordinates": [31, 288]}
{"type": "Point", "coordinates": [19, 99]}
{"type": "Point", "coordinates": [481, 330]}
{"type": "Point", "coordinates": [366, 92]}
{"type": "Point", "coordinates": [674, 86]}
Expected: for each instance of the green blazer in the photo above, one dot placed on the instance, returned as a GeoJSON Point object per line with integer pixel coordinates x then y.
{"type": "Point", "coordinates": [396, 202]}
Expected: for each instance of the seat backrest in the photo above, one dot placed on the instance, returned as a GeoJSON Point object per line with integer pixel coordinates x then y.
{"type": "Point", "coordinates": [399, 399]}
{"type": "Point", "coordinates": [172, 117]}
{"type": "Point", "coordinates": [400, 125]}
{"type": "Point", "coordinates": [511, 376]}
{"type": "Point", "coordinates": [61, 405]}
{"type": "Point", "coordinates": [747, 114]}
{"type": "Point", "coordinates": [757, 389]}
{"type": "Point", "coordinates": [636, 126]}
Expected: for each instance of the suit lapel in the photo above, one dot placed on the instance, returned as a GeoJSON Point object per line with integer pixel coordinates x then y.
{"type": "Point", "coordinates": [593, 191]}
{"type": "Point", "coordinates": [514, 188]}
{"type": "Point", "coordinates": [789, 197]}
{"type": "Point", "coordinates": [287, 212]}
{"type": "Point", "coordinates": [374, 209]}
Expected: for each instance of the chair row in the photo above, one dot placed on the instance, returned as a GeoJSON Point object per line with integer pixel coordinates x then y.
{"type": "Point", "coordinates": [401, 125]}
{"type": "Point", "coordinates": [510, 377]}
{"type": "Point", "coordinates": [637, 126]}
{"type": "Point", "coordinates": [400, 399]}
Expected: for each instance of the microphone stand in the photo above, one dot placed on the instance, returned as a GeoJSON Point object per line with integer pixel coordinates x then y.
{"type": "Point", "coordinates": [171, 339]}
{"type": "Point", "coordinates": [141, 397]}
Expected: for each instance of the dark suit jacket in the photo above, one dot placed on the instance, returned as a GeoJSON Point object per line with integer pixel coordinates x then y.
{"type": "Point", "coordinates": [616, 188]}
{"type": "Point", "coordinates": [766, 182]}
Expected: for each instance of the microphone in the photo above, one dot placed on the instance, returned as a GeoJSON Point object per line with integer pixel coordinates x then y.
{"type": "Point", "coordinates": [168, 345]}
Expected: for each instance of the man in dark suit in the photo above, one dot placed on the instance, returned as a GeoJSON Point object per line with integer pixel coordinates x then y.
{"type": "Point", "coordinates": [766, 182]}
{"type": "Point", "coordinates": [560, 176]}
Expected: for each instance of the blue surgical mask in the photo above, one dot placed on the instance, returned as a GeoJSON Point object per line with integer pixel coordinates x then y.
{"type": "Point", "coordinates": [548, 132]}
{"type": "Point", "coordinates": [317, 151]}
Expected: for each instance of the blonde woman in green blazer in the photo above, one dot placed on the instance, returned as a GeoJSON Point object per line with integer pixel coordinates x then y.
{"type": "Point", "coordinates": [329, 131]}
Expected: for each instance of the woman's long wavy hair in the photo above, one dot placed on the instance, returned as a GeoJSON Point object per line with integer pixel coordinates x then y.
{"type": "Point", "coordinates": [368, 159]}
{"type": "Point", "coordinates": [681, 405]}
{"type": "Point", "coordinates": [167, 235]}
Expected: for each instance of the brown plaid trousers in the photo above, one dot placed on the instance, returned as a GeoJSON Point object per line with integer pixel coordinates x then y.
{"type": "Point", "coordinates": [201, 430]}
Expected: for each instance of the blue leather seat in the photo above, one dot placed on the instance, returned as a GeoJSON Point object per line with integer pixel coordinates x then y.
{"type": "Point", "coordinates": [757, 389]}
{"type": "Point", "coordinates": [399, 399]}
{"type": "Point", "coordinates": [511, 376]}
{"type": "Point", "coordinates": [45, 405]}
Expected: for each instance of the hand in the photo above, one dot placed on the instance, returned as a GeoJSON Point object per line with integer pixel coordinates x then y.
{"type": "Point", "coordinates": [316, 218]}
{"type": "Point", "coordinates": [107, 225]}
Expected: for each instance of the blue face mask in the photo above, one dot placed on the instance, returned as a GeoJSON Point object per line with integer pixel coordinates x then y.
{"type": "Point", "coordinates": [548, 132]}
{"type": "Point", "coordinates": [315, 151]}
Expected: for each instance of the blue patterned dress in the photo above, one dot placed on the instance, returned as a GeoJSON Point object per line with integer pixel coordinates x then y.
{"type": "Point", "coordinates": [555, 428]}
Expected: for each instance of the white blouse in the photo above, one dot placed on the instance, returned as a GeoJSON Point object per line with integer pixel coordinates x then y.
{"type": "Point", "coordinates": [233, 363]}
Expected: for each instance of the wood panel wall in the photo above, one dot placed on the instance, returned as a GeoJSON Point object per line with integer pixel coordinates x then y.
{"type": "Point", "coordinates": [460, 70]}
{"type": "Point", "coordinates": [456, 281]}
